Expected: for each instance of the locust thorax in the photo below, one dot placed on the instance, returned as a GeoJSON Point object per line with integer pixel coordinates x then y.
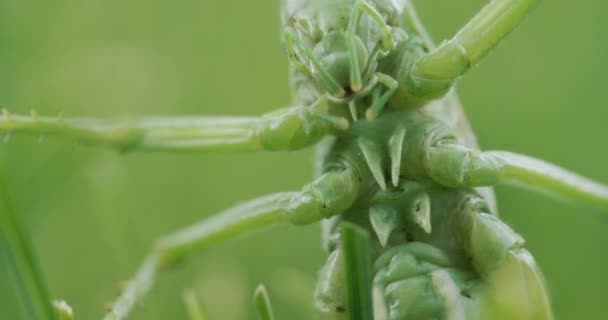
{"type": "Point", "coordinates": [336, 59]}
{"type": "Point", "coordinates": [391, 148]}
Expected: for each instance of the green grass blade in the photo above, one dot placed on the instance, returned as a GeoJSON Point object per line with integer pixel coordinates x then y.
{"type": "Point", "coordinates": [358, 272]}
{"type": "Point", "coordinates": [20, 261]}
{"type": "Point", "coordinates": [262, 303]}
{"type": "Point", "coordinates": [195, 308]}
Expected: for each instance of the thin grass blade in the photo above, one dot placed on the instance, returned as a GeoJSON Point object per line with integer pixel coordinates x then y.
{"type": "Point", "coordinates": [358, 272]}
{"type": "Point", "coordinates": [262, 303]}
{"type": "Point", "coordinates": [19, 260]}
{"type": "Point", "coordinates": [195, 308]}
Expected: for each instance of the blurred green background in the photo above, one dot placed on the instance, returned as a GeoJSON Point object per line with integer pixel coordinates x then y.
{"type": "Point", "coordinates": [93, 213]}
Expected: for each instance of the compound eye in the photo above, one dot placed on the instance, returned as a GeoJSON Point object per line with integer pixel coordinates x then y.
{"type": "Point", "coordinates": [334, 56]}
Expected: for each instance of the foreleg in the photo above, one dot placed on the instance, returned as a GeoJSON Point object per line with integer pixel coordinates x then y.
{"type": "Point", "coordinates": [284, 129]}
{"type": "Point", "coordinates": [328, 195]}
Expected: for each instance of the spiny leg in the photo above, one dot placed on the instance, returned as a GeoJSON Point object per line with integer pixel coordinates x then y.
{"type": "Point", "coordinates": [289, 128]}
{"type": "Point", "coordinates": [328, 195]}
{"type": "Point", "coordinates": [456, 166]}
{"type": "Point", "coordinates": [433, 75]}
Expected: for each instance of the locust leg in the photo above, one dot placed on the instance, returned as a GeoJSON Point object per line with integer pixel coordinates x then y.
{"type": "Point", "coordinates": [311, 64]}
{"type": "Point", "coordinates": [356, 76]}
{"type": "Point", "coordinates": [456, 166]}
{"type": "Point", "coordinates": [360, 7]}
{"type": "Point", "coordinates": [379, 98]}
{"type": "Point", "coordinates": [284, 129]}
{"type": "Point", "coordinates": [330, 194]}
{"type": "Point", "coordinates": [434, 73]}
{"type": "Point", "coordinates": [379, 102]}
{"type": "Point", "coordinates": [419, 281]}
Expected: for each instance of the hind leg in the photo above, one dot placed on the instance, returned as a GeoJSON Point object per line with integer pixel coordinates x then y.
{"type": "Point", "coordinates": [456, 166]}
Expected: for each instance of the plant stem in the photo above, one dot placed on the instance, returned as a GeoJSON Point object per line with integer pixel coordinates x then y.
{"type": "Point", "coordinates": [136, 289]}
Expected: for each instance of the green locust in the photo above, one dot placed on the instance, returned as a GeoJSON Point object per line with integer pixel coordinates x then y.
{"type": "Point", "coordinates": [396, 156]}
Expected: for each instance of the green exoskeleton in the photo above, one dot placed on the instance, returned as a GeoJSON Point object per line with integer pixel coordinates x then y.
{"type": "Point", "coordinates": [409, 171]}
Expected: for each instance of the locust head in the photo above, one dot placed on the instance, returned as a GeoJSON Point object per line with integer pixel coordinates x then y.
{"type": "Point", "coordinates": [341, 59]}
{"type": "Point", "coordinates": [340, 51]}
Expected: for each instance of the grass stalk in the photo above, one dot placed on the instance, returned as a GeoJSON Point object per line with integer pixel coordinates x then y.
{"type": "Point", "coordinates": [19, 259]}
